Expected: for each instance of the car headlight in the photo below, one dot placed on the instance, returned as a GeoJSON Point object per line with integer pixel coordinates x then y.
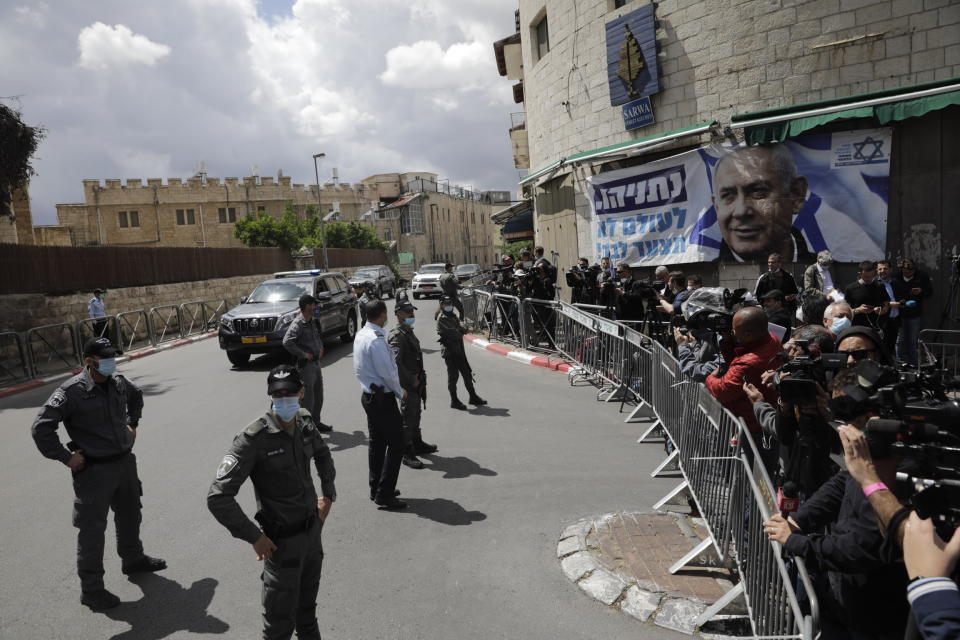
{"type": "Point", "coordinates": [226, 323]}
{"type": "Point", "coordinates": [287, 318]}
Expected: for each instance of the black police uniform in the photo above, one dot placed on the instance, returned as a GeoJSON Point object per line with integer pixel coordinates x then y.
{"type": "Point", "coordinates": [455, 356]}
{"type": "Point", "coordinates": [278, 462]}
{"type": "Point", "coordinates": [451, 286]}
{"type": "Point", "coordinates": [98, 418]}
{"type": "Point", "coordinates": [409, 356]}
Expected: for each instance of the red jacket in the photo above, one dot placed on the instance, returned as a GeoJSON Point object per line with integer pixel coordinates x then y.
{"type": "Point", "coordinates": [746, 364]}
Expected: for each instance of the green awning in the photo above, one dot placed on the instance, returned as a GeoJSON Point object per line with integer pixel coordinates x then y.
{"type": "Point", "coordinates": [624, 148]}
{"type": "Point", "coordinates": [640, 144]}
{"type": "Point", "coordinates": [775, 125]}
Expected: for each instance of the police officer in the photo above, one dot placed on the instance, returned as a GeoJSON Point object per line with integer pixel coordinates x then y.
{"type": "Point", "coordinates": [303, 341]}
{"type": "Point", "coordinates": [98, 313]}
{"type": "Point", "coordinates": [375, 366]}
{"type": "Point", "coordinates": [413, 379]}
{"type": "Point", "coordinates": [275, 452]}
{"type": "Point", "coordinates": [451, 287]}
{"type": "Point", "coordinates": [454, 355]}
{"type": "Point", "coordinates": [100, 410]}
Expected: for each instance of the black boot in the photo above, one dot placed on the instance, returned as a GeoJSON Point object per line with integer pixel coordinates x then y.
{"type": "Point", "coordinates": [475, 399]}
{"type": "Point", "coordinates": [99, 600]}
{"type": "Point", "coordinates": [420, 447]}
{"type": "Point", "coordinates": [411, 460]}
{"type": "Point", "coordinates": [456, 404]}
{"type": "Point", "coordinates": [146, 564]}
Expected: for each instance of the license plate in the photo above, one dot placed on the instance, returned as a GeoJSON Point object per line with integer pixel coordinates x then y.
{"type": "Point", "coordinates": [253, 340]}
{"type": "Point", "coordinates": [426, 286]}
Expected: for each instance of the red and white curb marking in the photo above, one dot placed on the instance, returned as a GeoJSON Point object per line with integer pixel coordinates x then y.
{"type": "Point", "coordinates": [33, 384]}
{"type": "Point", "coordinates": [546, 362]}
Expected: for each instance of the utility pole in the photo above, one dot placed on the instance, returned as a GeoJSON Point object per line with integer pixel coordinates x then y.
{"type": "Point", "coordinates": [323, 226]}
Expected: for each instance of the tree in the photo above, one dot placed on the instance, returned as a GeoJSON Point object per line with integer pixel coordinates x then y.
{"type": "Point", "coordinates": [291, 232]}
{"type": "Point", "coordinates": [18, 143]}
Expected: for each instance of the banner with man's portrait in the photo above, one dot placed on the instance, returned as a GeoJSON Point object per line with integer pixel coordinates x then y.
{"type": "Point", "coordinates": [740, 203]}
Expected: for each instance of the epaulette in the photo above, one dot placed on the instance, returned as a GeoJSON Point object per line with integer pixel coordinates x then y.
{"type": "Point", "coordinates": [306, 418]}
{"type": "Point", "coordinates": [255, 427]}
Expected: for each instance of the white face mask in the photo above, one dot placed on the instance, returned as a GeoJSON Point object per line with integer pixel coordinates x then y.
{"type": "Point", "coordinates": [689, 288]}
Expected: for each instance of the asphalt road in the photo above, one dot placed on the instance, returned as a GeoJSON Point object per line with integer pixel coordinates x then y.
{"type": "Point", "coordinates": [473, 556]}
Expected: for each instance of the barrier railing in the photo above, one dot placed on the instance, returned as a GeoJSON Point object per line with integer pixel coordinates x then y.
{"type": "Point", "coordinates": [505, 322]}
{"type": "Point", "coordinates": [105, 327]}
{"type": "Point", "coordinates": [940, 348]}
{"type": "Point", "coordinates": [539, 324]}
{"type": "Point", "coordinates": [14, 363]}
{"type": "Point", "coordinates": [165, 323]}
{"type": "Point", "coordinates": [477, 303]}
{"type": "Point", "coordinates": [721, 466]}
{"type": "Point", "coordinates": [213, 310]}
{"type": "Point", "coordinates": [133, 330]}
{"type": "Point", "coordinates": [192, 318]}
{"type": "Point", "coordinates": [52, 348]}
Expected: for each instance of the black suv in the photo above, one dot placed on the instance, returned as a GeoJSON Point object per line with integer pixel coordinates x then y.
{"type": "Point", "coordinates": [259, 323]}
{"type": "Point", "coordinates": [380, 276]}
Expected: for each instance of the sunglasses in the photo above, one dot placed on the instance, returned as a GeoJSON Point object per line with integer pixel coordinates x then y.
{"type": "Point", "coordinates": [858, 354]}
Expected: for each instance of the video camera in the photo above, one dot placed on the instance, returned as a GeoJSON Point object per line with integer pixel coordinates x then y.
{"type": "Point", "coordinates": [712, 308]}
{"type": "Point", "coordinates": [919, 422]}
{"type": "Point", "coordinates": [807, 372]}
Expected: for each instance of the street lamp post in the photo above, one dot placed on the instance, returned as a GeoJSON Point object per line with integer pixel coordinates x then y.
{"type": "Point", "coordinates": [323, 228]}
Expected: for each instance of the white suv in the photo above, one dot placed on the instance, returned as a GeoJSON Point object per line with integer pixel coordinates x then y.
{"type": "Point", "coordinates": [426, 281]}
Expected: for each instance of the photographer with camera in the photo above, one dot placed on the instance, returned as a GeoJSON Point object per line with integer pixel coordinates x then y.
{"type": "Point", "coordinates": [675, 289]}
{"type": "Point", "coordinates": [580, 280]}
{"type": "Point", "coordinates": [630, 295]}
{"type": "Point", "coordinates": [801, 420]}
{"type": "Point", "coordinates": [774, 303]}
{"type": "Point", "coordinates": [836, 532]}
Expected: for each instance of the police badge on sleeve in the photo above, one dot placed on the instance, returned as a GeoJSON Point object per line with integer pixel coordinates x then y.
{"type": "Point", "coordinates": [229, 462]}
{"type": "Point", "coordinates": [58, 398]}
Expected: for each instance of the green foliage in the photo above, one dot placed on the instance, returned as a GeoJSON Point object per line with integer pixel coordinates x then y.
{"type": "Point", "coordinates": [291, 232]}
{"type": "Point", "coordinates": [514, 249]}
{"type": "Point", "coordinates": [18, 143]}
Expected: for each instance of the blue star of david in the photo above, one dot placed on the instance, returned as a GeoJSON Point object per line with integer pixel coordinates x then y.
{"type": "Point", "coordinates": [874, 153]}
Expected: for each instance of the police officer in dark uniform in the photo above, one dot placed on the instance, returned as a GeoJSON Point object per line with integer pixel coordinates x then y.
{"type": "Point", "coordinates": [275, 452]}
{"type": "Point", "coordinates": [413, 379]}
{"type": "Point", "coordinates": [100, 410]}
{"type": "Point", "coordinates": [451, 337]}
{"type": "Point", "coordinates": [303, 341]}
{"type": "Point", "coordinates": [451, 286]}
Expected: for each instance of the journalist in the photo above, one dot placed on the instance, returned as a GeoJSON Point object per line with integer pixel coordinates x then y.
{"type": "Point", "coordinates": [775, 304]}
{"type": "Point", "coordinates": [630, 295]}
{"type": "Point", "coordinates": [675, 289]}
{"type": "Point", "coordinates": [918, 288]}
{"type": "Point", "coordinates": [697, 352]}
{"type": "Point", "coordinates": [866, 296]}
{"type": "Point", "coordinates": [862, 343]}
{"type": "Point", "coordinates": [836, 532]}
{"type": "Point", "coordinates": [812, 306]}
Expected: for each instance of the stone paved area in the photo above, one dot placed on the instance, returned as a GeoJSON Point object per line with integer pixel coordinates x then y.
{"type": "Point", "coordinates": [623, 559]}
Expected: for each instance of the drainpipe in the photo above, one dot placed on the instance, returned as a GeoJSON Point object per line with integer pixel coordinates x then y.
{"type": "Point", "coordinates": [156, 211]}
{"type": "Point", "coordinates": [96, 202]}
{"type": "Point", "coordinates": [203, 231]}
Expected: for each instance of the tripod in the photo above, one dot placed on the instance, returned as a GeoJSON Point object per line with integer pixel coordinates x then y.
{"type": "Point", "coordinates": [951, 302]}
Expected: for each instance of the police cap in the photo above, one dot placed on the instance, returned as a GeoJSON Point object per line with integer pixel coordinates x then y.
{"type": "Point", "coordinates": [404, 305]}
{"type": "Point", "coordinates": [446, 298]}
{"type": "Point", "coordinates": [283, 377]}
{"type": "Point", "coordinates": [100, 347]}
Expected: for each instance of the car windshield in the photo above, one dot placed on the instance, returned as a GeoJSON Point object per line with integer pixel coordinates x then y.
{"type": "Point", "coordinates": [365, 273]}
{"type": "Point", "coordinates": [431, 268]}
{"type": "Point", "coordinates": [467, 268]}
{"type": "Point", "coordinates": [279, 292]}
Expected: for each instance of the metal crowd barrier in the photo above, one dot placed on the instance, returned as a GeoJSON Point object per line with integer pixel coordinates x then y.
{"type": "Point", "coordinates": [166, 323]}
{"type": "Point", "coordinates": [539, 324]}
{"type": "Point", "coordinates": [722, 469]}
{"type": "Point", "coordinates": [14, 363]}
{"type": "Point", "coordinates": [105, 327]}
{"type": "Point", "coordinates": [133, 330]}
{"type": "Point", "coordinates": [52, 348]}
{"type": "Point", "coordinates": [477, 307]}
{"type": "Point", "coordinates": [213, 310]}
{"type": "Point", "coordinates": [940, 348]}
{"type": "Point", "coordinates": [505, 320]}
{"type": "Point", "coordinates": [192, 318]}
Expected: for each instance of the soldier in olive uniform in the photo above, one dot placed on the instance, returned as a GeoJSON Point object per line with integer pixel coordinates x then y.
{"type": "Point", "coordinates": [454, 355]}
{"type": "Point", "coordinates": [451, 286]}
{"type": "Point", "coordinates": [413, 379]}
{"type": "Point", "coordinates": [101, 411]}
{"type": "Point", "coordinates": [304, 342]}
{"type": "Point", "coordinates": [275, 452]}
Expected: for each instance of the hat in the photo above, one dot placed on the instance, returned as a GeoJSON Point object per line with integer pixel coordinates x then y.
{"type": "Point", "coordinates": [306, 299]}
{"type": "Point", "coordinates": [101, 347]}
{"type": "Point", "coordinates": [404, 305]}
{"type": "Point", "coordinates": [871, 334]}
{"type": "Point", "coordinates": [283, 377]}
{"type": "Point", "coordinates": [447, 265]}
{"type": "Point", "coordinates": [446, 298]}
{"type": "Point", "coordinates": [773, 294]}
{"type": "Point", "coordinates": [95, 291]}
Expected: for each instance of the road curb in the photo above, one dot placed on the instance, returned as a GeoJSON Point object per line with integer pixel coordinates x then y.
{"type": "Point", "coordinates": [135, 355]}
{"type": "Point", "coordinates": [544, 362]}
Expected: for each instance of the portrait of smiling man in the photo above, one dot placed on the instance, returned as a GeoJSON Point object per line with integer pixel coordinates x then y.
{"type": "Point", "coordinates": [756, 193]}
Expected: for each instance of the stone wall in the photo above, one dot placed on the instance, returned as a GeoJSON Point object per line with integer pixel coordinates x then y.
{"type": "Point", "coordinates": [23, 311]}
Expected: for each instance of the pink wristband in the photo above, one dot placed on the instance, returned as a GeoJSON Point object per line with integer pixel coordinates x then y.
{"type": "Point", "coordinates": [873, 488]}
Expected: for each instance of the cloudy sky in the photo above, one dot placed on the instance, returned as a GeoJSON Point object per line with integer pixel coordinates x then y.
{"type": "Point", "coordinates": [149, 89]}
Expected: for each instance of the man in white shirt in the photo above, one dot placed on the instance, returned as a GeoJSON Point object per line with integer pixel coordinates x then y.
{"type": "Point", "coordinates": [376, 369]}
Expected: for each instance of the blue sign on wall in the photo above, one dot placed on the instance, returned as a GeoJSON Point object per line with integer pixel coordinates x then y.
{"type": "Point", "coordinates": [638, 113]}
{"type": "Point", "coordinates": [632, 69]}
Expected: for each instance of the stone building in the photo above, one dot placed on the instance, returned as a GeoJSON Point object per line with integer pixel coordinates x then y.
{"type": "Point", "coordinates": [197, 212]}
{"type": "Point", "coordinates": [717, 68]}
{"type": "Point", "coordinates": [17, 228]}
{"type": "Point", "coordinates": [432, 221]}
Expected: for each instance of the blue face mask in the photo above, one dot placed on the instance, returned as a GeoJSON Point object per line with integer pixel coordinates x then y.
{"type": "Point", "coordinates": [839, 324]}
{"type": "Point", "coordinates": [448, 309]}
{"type": "Point", "coordinates": [409, 321]}
{"type": "Point", "coordinates": [286, 408]}
{"type": "Point", "coordinates": [106, 366]}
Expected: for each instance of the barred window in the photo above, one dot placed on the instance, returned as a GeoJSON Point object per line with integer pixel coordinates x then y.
{"type": "Point", "coordinates": [186, 216]}
{"type": "Point", "coordinates": [227, 214]}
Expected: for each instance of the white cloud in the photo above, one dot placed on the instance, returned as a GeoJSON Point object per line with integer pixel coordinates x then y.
{"type": "Point", "coordinates": [103, 46]}
{"type": "Point", "coordinates": [35, 16]}
{"type": "Point", "coordinates": [426, 65]}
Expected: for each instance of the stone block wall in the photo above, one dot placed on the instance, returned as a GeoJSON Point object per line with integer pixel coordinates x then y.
{"type": "Point", "coordinates": [720, 57]}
